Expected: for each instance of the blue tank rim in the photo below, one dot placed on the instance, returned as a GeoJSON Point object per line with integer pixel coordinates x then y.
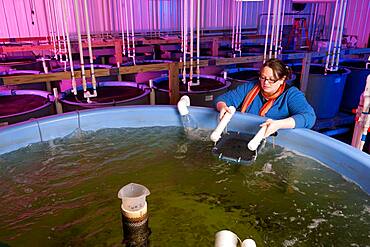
{"type": "Point", "coordinates": [44, 94]}
{"type": "Point", "coordinates": [220, 79]}
{"type": "Point", "coordinates": [152, 61]}
{"type": "Point", "coordinates": [146, 91]}
{"type": "Point", "coordinates": [354, 60]}
{"type": "Point", "coordinates": [345, 73]}
{"type": "Point", "coordinates": [347, 161]}
{"type": "Point", "coordinates": [14, 71]}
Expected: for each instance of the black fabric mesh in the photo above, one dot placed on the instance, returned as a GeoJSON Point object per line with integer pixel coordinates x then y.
{"type": "Point", "coordinates": [233, 147]}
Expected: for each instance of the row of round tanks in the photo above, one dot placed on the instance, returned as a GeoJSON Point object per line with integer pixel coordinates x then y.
{"type": "Point", "coordinates": [324, 91]}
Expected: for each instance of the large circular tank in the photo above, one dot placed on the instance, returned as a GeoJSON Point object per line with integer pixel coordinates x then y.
{"type": "Point", "coordinates": [21, 105]}
{"type": "Point", "coordinates": [239, 76]}
{"type": "Point", "coordinates": [28, 86]}
{"type": "Point", "coordinates": [355, 83]}
{"type": "Point", "coordinates": [113, 93]}
{"type": "Point", "coordinates": [324, 92]}
{"type": "Point", "coordinates": [203, 95]}
{"type": "Point", "coordinates": [67, 180]}
{"type": "Point", "coordinates": [144, 77]}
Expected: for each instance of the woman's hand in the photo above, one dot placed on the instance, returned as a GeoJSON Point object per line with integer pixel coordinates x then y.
{"type": "Point", "coordinates": [275, 125]}
{"type": "Point", "coordinates": [222, 108]}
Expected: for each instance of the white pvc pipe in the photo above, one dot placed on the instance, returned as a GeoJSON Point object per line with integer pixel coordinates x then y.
{"type": "Point", "coordinates": [48, 9]}
{"type": "Point", "coordinates": [273, 34]}
{"type": "Point", "coordinates": [278, 23]}
{"type": "Point", "coordinates": [132, 34]}
{"type": "Point", "coordinates": [233, 32]}
{"type": "Point", "coordinates": [240, 28]}
{"type": "Point", "coordinates": [83, 75]}
{"type": "Point", "coordinates": [216, 134]}
{"type": "Point", "coordinates": [198, 40]}
{"type": "Point", "coordinates": [92, 71]}
{"type": "Point", "coordinates": [280, 47]}
{"type": "Point", "coordinates": [331, 36]}
{"type": "Point", "coordinates": [185, 42]}
{"type": "Point", "coordinates": [339, 21]}
{"type": "Point", "coordinates": [363, 119]}
{"type": "Point", "coordinates": [341, 34]}
{"type": "Point", "coordinates": [58, 33]}
{"type": "Point", "coordinates": [122, 29]}
{"type": "Point", "coordinates": [127, 31]}
{"type": "Point", "coordinates": [191, 41]}
{"type": "Point", "coordinates": [74, 88]}
{"type": "Point", "coordinates": [255, 142]}
{"type": "Point", "coordinates": [60, 14]}
{"type": "Point", "coordinates": [267, 31]}
{"type": "Point", "coordinates": [183, 105]}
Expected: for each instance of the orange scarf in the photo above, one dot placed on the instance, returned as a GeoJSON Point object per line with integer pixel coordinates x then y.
{"type": "Point", "coordinates": [270, 99]}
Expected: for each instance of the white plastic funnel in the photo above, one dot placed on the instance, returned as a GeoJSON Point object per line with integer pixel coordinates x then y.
{"type": "Point", "coordinates": [133, 196]}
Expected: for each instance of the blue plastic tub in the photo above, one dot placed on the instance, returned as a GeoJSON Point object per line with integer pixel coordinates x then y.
{"type": "Point", "coordinates": [355, 83]}
{"type": "Point", "coordinates": [324, 92]}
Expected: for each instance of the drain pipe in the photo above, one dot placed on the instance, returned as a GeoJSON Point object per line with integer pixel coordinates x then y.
{"type": "Point", "coordinates": [183, 105]}
{"type": "Point", "coordinates": [198, 41]}
{"type": "Point", "coordinates": [80, 47]}
{"type": "Point", "coordinates": [216, 134]}
{"type": "Point", "coordinates": [255, 142]}
{"type": "Point", "coordinates": [92, 71]}
{"type": "Point", "coordinates": [74, 86]}
{"type": "Point", "coordinates": [135, 218]}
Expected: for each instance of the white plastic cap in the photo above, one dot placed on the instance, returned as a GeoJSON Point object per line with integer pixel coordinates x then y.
{"type": "Point", "coordinates": [249, 243]}
{"type": "Point", "coordinates": [226, 238]}
{"type": "Point", "coordinates": [183, 104]}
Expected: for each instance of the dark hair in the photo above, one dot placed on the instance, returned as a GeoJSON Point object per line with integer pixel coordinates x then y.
{"type": "Point", "coordinates": [279, 68]}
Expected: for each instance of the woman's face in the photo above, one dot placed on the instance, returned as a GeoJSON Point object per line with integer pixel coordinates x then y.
{"type": "Point", "coordinates": [268, 81]}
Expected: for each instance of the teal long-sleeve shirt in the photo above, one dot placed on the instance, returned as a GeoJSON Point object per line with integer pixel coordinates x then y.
{"type": "Point", "coordinates": [291, 103]}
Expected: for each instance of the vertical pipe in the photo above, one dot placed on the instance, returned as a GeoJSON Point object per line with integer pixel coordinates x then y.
{"type": "Point", "coordinates": [52, 29]}
{"type": "Point", "coordinates": [341, 34]}
{"type": "Point", "coordinates": [77, 17]}
{"type": "Point", "coordinates": [280, 47]}
{"type": "Point", "coordinates": [273, 27]}
{"type": "Point", "coordinates": [336, 43]}
{"type": "Point", "coordinates": [132, 33]}
{"type": "Point", "coordinates": [93, 79]}
{"type": "Point", "coordinates": [233, 24]}
{"type": "Point", "coordinates": [198, 40]}
{"type": "Point", "coordinates": [74, 88]}
{"type": "Point", "coordinates": [267, 30]}
{"type": "Point", "coordinates": [185, 40]}
{"type": "Point", "coordinates": [278, 22]}
{"type": "Point", "coordinates": [122, 30]}
{"type": "Point", "coordinates": [191, 40]}
{"type": "Point", "coordinates": [331, 36]}
{"type": "Point", "coordinates": [127, 30]}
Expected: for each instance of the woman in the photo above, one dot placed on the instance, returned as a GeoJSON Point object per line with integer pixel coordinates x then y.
{"type": "Point", "coordinates": [286, 107]}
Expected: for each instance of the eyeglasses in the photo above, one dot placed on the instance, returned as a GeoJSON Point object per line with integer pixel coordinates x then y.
{"type": "Point", "coordinates": [263, 79]}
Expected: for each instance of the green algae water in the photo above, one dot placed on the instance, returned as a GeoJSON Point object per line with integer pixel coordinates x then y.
{"type": "Point", "coordinates": [64, 193]}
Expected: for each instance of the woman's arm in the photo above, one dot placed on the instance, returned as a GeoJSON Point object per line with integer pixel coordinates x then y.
{"type": "Point", "coordinates": [275, 125]}
{"type": "Point", "coordinates": [300, 110]}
